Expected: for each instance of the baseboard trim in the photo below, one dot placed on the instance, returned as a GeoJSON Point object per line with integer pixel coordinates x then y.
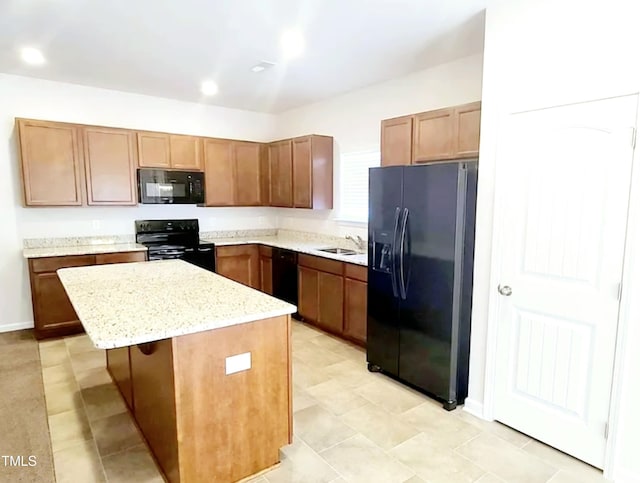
{"type": "Point", "coordinates": [474, 407]}
{"type": "Point", "coordinates": [16, 326]}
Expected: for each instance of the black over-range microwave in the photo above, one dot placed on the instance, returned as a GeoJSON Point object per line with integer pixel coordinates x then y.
{"type": "Point", "coordinates": [160, 186]}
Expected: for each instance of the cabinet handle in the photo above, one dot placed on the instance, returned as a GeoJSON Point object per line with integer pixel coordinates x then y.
{"type": "Point", "coordinates": [147, 348]}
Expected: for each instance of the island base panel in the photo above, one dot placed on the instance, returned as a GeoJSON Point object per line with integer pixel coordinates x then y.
{"type": "Point", "coordinates": [233, 426]}
{"type": "Point", "coordinates": [201, 424]}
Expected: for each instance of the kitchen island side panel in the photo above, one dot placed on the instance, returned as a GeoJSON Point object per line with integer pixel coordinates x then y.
{"type": "Point", "coordinates": [231, 426]}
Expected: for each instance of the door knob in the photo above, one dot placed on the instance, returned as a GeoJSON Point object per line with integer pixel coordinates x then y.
{"type": "Point", "coordinates": [504, 290]}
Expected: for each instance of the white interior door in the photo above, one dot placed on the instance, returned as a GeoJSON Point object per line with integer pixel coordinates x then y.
{"type": "Point", "coordinates": [564, 179]}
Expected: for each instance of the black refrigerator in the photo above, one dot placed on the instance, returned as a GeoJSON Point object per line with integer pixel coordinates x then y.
{"type": "Point", "coordinates": [421, 240]}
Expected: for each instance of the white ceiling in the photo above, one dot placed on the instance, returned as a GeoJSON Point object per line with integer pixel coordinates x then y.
{"type": "Point", "coordinates": [167, 47]}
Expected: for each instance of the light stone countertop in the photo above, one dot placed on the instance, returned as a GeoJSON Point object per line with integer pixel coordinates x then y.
{"type": "Point", "coordinates": [63, 251]}
{"type": "Point", "coordinates": [308, 243]}
{"type": "Point", "coordinates": [307, 246]}
{"type": "Point", "coordinates": [132, 303]}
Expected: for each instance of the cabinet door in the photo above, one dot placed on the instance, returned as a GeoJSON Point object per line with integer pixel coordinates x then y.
{"type": "Point", "coordinates": [467, 130]}
{"type": "Point", "coordinates": [53, 312]}
{"type": "Point", "coordinates": [153, 150]}
{"type": "Point", "coordinates": [355, 309]}
{"type": "Point", "coordinates": [433, 135]}
{"type": "Point", "coordinates": [110, 166]}
{"type": "Point", "coordinates": [281, 174]}
{"type": "Point", "coordinates": [218, 172]}
{"type": "Point", "coordinates": [396, 138]}
{"type": "Point", "coordinates": [308, 294]}
{"type": "Point", "coordinates": [331, 302]}
{"type": "Point", "coordinates": [51, 163]}
{"type": "Point", "coordinates": [239, 263]}
{"type": "Point", "coordinates": [266, 275]}
{"type": "Point", "coordinates": [302, 173]}
{"type": "Point", "coordinates": [247, 173]}
{"type": "Point", "coordinates": [186, 152]}
{"type": "Point", "coordinates": [265, 176]}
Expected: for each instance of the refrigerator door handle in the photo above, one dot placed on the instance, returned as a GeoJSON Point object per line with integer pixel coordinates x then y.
{"type": "Point", "coordinates": [403, 234]}
{"type": "Point", "coordinates": [394, 275]}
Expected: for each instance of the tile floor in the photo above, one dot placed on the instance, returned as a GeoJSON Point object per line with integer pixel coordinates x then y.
{"type": "Point", "coordinates": [349, 426]}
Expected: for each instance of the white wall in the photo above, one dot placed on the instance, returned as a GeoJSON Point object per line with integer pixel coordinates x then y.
{"type": "Point", "coordinates": [541, 53]}
{"type": "Point", "coordinates": [38, 99]}
{"type": "Point", "coordinates": [353, 119]}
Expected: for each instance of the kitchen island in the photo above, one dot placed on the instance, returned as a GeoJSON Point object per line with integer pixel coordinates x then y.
{"type": "Point", "coordinates": [204, 363]}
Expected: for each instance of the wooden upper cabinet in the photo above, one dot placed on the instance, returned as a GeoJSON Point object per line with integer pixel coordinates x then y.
{"type": "Point", "coordinates": [433, 135]}
{"type": "Point", "coordinates": [467, 130]}
{"type": "Point", "coordinates": [153, 150]}
{"type": "Point", "coordinates": [265, 176]}
{"type": "Point", "coordinates": [185, 152]}
{"type": "Point", "coordinates": [302, 169]}
{"type": "Point", "coordinates": [247, 177]}
{"type": "Point", "coordinates": [313, 172]}
{"type": "Point", "coordinates": [281, 165]}
{"type": "Point", "coordinates": [396, 139]}
{"type": "Point", "coordinates": [449, 133]}
{"type": "Point", "coordinates": [51, 163]}
{"type": "Point", "coordinates": [110, 164]}
{"type": "Point", "coordinates": [219, 172]}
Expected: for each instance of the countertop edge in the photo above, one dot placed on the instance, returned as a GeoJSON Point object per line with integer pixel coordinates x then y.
{"type": "Point", "coordinates": [119, 343]}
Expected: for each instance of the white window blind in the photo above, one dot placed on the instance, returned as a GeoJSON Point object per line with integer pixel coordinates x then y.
{"type": "Point", "coordinates": [354, 185]}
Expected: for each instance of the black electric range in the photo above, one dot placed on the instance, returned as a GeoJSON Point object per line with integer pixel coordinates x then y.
{"type": "Point", "coordinates": [167, 239]}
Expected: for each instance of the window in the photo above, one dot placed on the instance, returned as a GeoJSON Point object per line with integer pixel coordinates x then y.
{"type": "Point", "coordinates": [354, 185]}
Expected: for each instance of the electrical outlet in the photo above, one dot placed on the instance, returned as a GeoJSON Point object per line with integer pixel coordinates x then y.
{"type": "Point", "coordinates": [238, 363]}
{"type": "Point", "coordinates": [96, 224]}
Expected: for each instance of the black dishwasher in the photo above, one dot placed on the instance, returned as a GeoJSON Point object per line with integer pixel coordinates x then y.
{"type": "Point", "coordinates": [285, 275]}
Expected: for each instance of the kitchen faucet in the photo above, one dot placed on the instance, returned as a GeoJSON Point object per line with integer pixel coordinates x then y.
{"type": "Point", "coordinates": [360, 243]}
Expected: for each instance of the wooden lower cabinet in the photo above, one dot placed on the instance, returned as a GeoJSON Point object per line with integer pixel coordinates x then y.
{"type": "Point", "coordinates": [308, 293]}
{"type": "Point", "coordinates": [330, 302]}
{"type": "Point", "coordinates": [266, 270]}
{"type": "Point", "coordinates": [333, 296]}
{"type": "Point", "coordinates": [240, 263]}
{"type": "Point", "coordinates": [53, 313]}
{"type": "Point", "coordinates": [355, 310]}
{"type": "Point", "coordinates": [124, 257]}
{"type": "Point", "coordinates": [201, 423]}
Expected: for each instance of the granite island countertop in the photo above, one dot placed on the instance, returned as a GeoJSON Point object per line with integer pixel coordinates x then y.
{"type": "Point", "coordinates": [132, 303]}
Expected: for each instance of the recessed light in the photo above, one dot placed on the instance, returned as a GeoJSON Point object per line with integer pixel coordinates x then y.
{"type": "Point", "coordinates": [265, 64]}
{"type": "Point", "coordinates": [292, 43]}
{"type": "Point", "coordinates": [209, 88]}
{"type": "Point", "coordinates": [32, 56]}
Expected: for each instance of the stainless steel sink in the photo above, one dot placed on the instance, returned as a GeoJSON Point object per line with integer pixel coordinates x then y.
{"type": "Point", "coordinates": [338, 251]}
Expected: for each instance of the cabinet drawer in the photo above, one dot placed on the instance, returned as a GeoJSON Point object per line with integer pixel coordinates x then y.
{"type": "Point", "coordinates": [357, 272]}
{"type": "Point", "coordinates": [265, 251]}
{"type": "Point", "coordinates": [51, 264]}
{"type": "Point", "coordinates": [322, 264]}
{"type": "Point", "coordinates": [235, 250]}
{"type": "Point", "coordinates": [105, 258]}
